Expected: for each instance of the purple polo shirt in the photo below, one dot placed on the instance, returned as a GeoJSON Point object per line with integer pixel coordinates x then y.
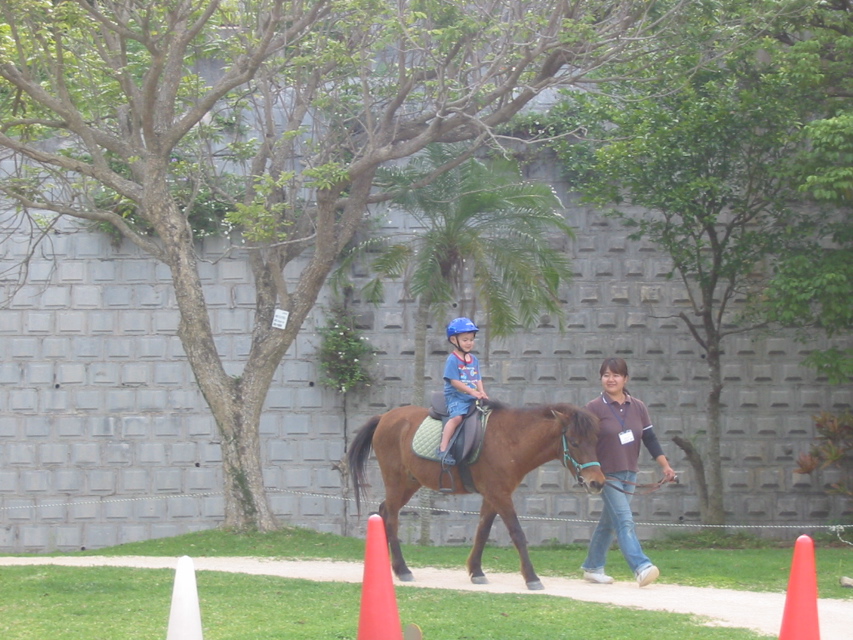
{"type": "Point", "coordinates": [614, 453]}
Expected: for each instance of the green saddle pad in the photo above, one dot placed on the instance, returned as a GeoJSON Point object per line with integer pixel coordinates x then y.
{"type": "Point", "coordinates": [427, 438]}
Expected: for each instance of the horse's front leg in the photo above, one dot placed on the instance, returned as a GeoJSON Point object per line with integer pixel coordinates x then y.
{"type": "Point", "coordinates": [475, 560]}
{"type": "Point", "coordinates": [391, 517]}
{"type": "Point", "coordinates": [510, 518]}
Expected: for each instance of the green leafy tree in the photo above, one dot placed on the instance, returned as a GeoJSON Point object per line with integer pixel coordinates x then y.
{"type": "Point", "coordinates": [132, 114]}
{"type": "Point", "coordinates": [812, 287]}
{"type": "Point", "coordinates": [705, 172]}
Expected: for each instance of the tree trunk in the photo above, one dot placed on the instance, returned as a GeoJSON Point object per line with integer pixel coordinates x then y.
{"type": "Point", "coordinates": [246, 504]}
{"type": "Point", "coordinates": [695, 461]}
{"type": "Point", "coordinates": [343, 468]}
{"type": "Point", "coordinates": [236, 407]}
{"type": "Point", "coordinates": [715, 513]}
{"type": "Point", "coordinates": [426, 497]}
{"type": "Point", "coordinates": [709, 476]}
{"type": "Point", "coordinates": [234, 402]}
{"type": "Point", "coordinates": [419, 397]}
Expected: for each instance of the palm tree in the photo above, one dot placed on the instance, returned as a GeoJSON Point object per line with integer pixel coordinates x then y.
{"type": "Point", "coordinates": [482, 226]}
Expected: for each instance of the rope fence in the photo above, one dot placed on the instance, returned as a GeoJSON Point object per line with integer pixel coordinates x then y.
{"type": "Point", "coordinates": [838, 529]}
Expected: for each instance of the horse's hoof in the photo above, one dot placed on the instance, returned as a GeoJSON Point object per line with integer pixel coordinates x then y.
{"type": "Point", "coordinates": [536, 585]}
{"type": "Point", "coordinates": [479, 580]}
{"type": "Point", "coordinates": [406, 577]}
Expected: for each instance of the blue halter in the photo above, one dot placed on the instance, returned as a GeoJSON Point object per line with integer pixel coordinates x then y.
{"type": "Point", "coordinates": [567, 458]}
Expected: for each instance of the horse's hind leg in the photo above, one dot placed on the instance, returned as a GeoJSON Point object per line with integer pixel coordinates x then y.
{"type": "Point", "coordinates": [390, 512]}
{"type": "Point", "coordinates": [475, 559]}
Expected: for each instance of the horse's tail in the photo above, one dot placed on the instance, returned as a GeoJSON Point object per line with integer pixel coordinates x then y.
{"type": "Point", "coordinates": [357, 457]}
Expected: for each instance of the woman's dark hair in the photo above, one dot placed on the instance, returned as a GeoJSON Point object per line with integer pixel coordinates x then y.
{"type": "Point", "coordinates": [614, 365]}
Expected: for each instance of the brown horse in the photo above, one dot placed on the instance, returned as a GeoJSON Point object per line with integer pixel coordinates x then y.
{"type": "Point", "coordinates": [516, 442]}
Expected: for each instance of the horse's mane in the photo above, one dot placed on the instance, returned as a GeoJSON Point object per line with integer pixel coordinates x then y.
{"type": "Point", "coordinates": [582, 422]}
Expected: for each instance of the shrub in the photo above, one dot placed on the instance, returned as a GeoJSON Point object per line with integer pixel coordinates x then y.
{"type": "Point", "coordinates": [345, 355]}
{"type": "Point", "coordinates": [832, 448]}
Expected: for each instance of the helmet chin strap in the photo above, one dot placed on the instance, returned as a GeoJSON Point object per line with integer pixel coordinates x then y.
{"type": "Point", "coordinates": [455, 342]}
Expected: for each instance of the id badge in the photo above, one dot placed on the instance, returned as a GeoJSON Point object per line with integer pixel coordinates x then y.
{"type": "Point", "coordinates": [626, 437]}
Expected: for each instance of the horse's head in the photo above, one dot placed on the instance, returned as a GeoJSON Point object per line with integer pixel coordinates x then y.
{"type": "Point", "coordinates": [580, 437]}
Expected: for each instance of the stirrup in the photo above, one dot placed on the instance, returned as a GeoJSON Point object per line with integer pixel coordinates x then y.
{"type": "Point", "coordinates": [446, 471]}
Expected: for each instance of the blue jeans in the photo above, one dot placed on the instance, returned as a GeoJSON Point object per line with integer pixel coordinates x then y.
{"type": "Point", "coordinates": [617, 522]}
{"type": "Point", "coordinates": [457, 406]}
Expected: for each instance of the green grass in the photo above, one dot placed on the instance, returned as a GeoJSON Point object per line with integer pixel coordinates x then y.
{"type": "Point", "coordinates": [105, 603]}
{"type": "Point", "coordinates": [62, 603]}
{"type": "Point", "coordinates": [701, 560]}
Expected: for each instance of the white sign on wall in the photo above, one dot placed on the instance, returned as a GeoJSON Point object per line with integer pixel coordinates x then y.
{"type": "Point", "coordinates": [279, 320]}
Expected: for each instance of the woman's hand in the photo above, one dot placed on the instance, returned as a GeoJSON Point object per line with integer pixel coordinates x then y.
{"type": "Point", "coordinates": [668, 474]}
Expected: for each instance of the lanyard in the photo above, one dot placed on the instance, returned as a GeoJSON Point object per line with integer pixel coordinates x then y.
{"type": "Point", "coordinates": [619, 418]}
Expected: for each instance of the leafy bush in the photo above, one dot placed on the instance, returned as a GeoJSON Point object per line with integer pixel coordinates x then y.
{"type": "Point", "coordinates": [832, 448]}
{"type": "Point", "coordinates": [345, 354]}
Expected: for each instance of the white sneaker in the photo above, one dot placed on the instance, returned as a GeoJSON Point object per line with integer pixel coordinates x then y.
{"type": "Point", "coordinates": [597, 578]}
{"type": "Point", "coordinates": [648, 575]}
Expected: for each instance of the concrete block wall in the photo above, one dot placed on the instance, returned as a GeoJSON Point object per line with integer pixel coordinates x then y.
{"type": "Point", "coordinates": [105, 438]}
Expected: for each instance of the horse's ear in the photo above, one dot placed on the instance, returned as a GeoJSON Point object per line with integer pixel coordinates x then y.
{"type": "Point", "coordinates": [562, 417]}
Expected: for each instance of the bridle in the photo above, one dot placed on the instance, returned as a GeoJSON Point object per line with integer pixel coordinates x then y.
{"type": "Point", "coordinates": [577, 466]}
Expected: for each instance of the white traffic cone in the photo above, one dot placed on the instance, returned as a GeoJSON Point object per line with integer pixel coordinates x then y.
{"type": "Point", "coordinates": [185, 615]}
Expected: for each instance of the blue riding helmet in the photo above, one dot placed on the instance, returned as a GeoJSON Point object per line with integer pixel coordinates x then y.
{"type": "Point", "coordinates": [460, 325]}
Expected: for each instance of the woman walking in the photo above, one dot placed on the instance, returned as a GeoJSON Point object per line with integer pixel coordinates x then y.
{"type": "Point", "coordinates": [624, 423]}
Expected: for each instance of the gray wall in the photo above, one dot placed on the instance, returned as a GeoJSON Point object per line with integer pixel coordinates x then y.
{"type": "Point", "coordinates": [105, 438]}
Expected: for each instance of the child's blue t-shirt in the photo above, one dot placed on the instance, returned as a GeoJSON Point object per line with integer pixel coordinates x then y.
{"type": "Point", "coordinates": [466, 372]}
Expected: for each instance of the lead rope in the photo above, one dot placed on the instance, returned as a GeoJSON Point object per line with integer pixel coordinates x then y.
{"type": "Point", "coordinates": [647, 488]}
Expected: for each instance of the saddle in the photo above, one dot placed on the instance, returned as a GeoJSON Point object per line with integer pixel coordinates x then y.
{"type": "Point", "coordinates": [464, 445]}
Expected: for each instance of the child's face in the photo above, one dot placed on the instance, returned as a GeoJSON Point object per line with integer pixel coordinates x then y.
{"type": "Point", "coordinates": [465, 341]}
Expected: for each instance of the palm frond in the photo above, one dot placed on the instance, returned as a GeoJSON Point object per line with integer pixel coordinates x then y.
{"type": "Point", "coordinates": [481, 221]}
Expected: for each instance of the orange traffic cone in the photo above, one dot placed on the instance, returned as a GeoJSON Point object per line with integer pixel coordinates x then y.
{"type": "Point", "coordinates": [799, 621]}
{"type": "Point", "coordinates": [378, 619]}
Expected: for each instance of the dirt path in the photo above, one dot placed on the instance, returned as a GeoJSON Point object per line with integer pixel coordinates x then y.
{"type": "Point", "coordinates": [761, 612]}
